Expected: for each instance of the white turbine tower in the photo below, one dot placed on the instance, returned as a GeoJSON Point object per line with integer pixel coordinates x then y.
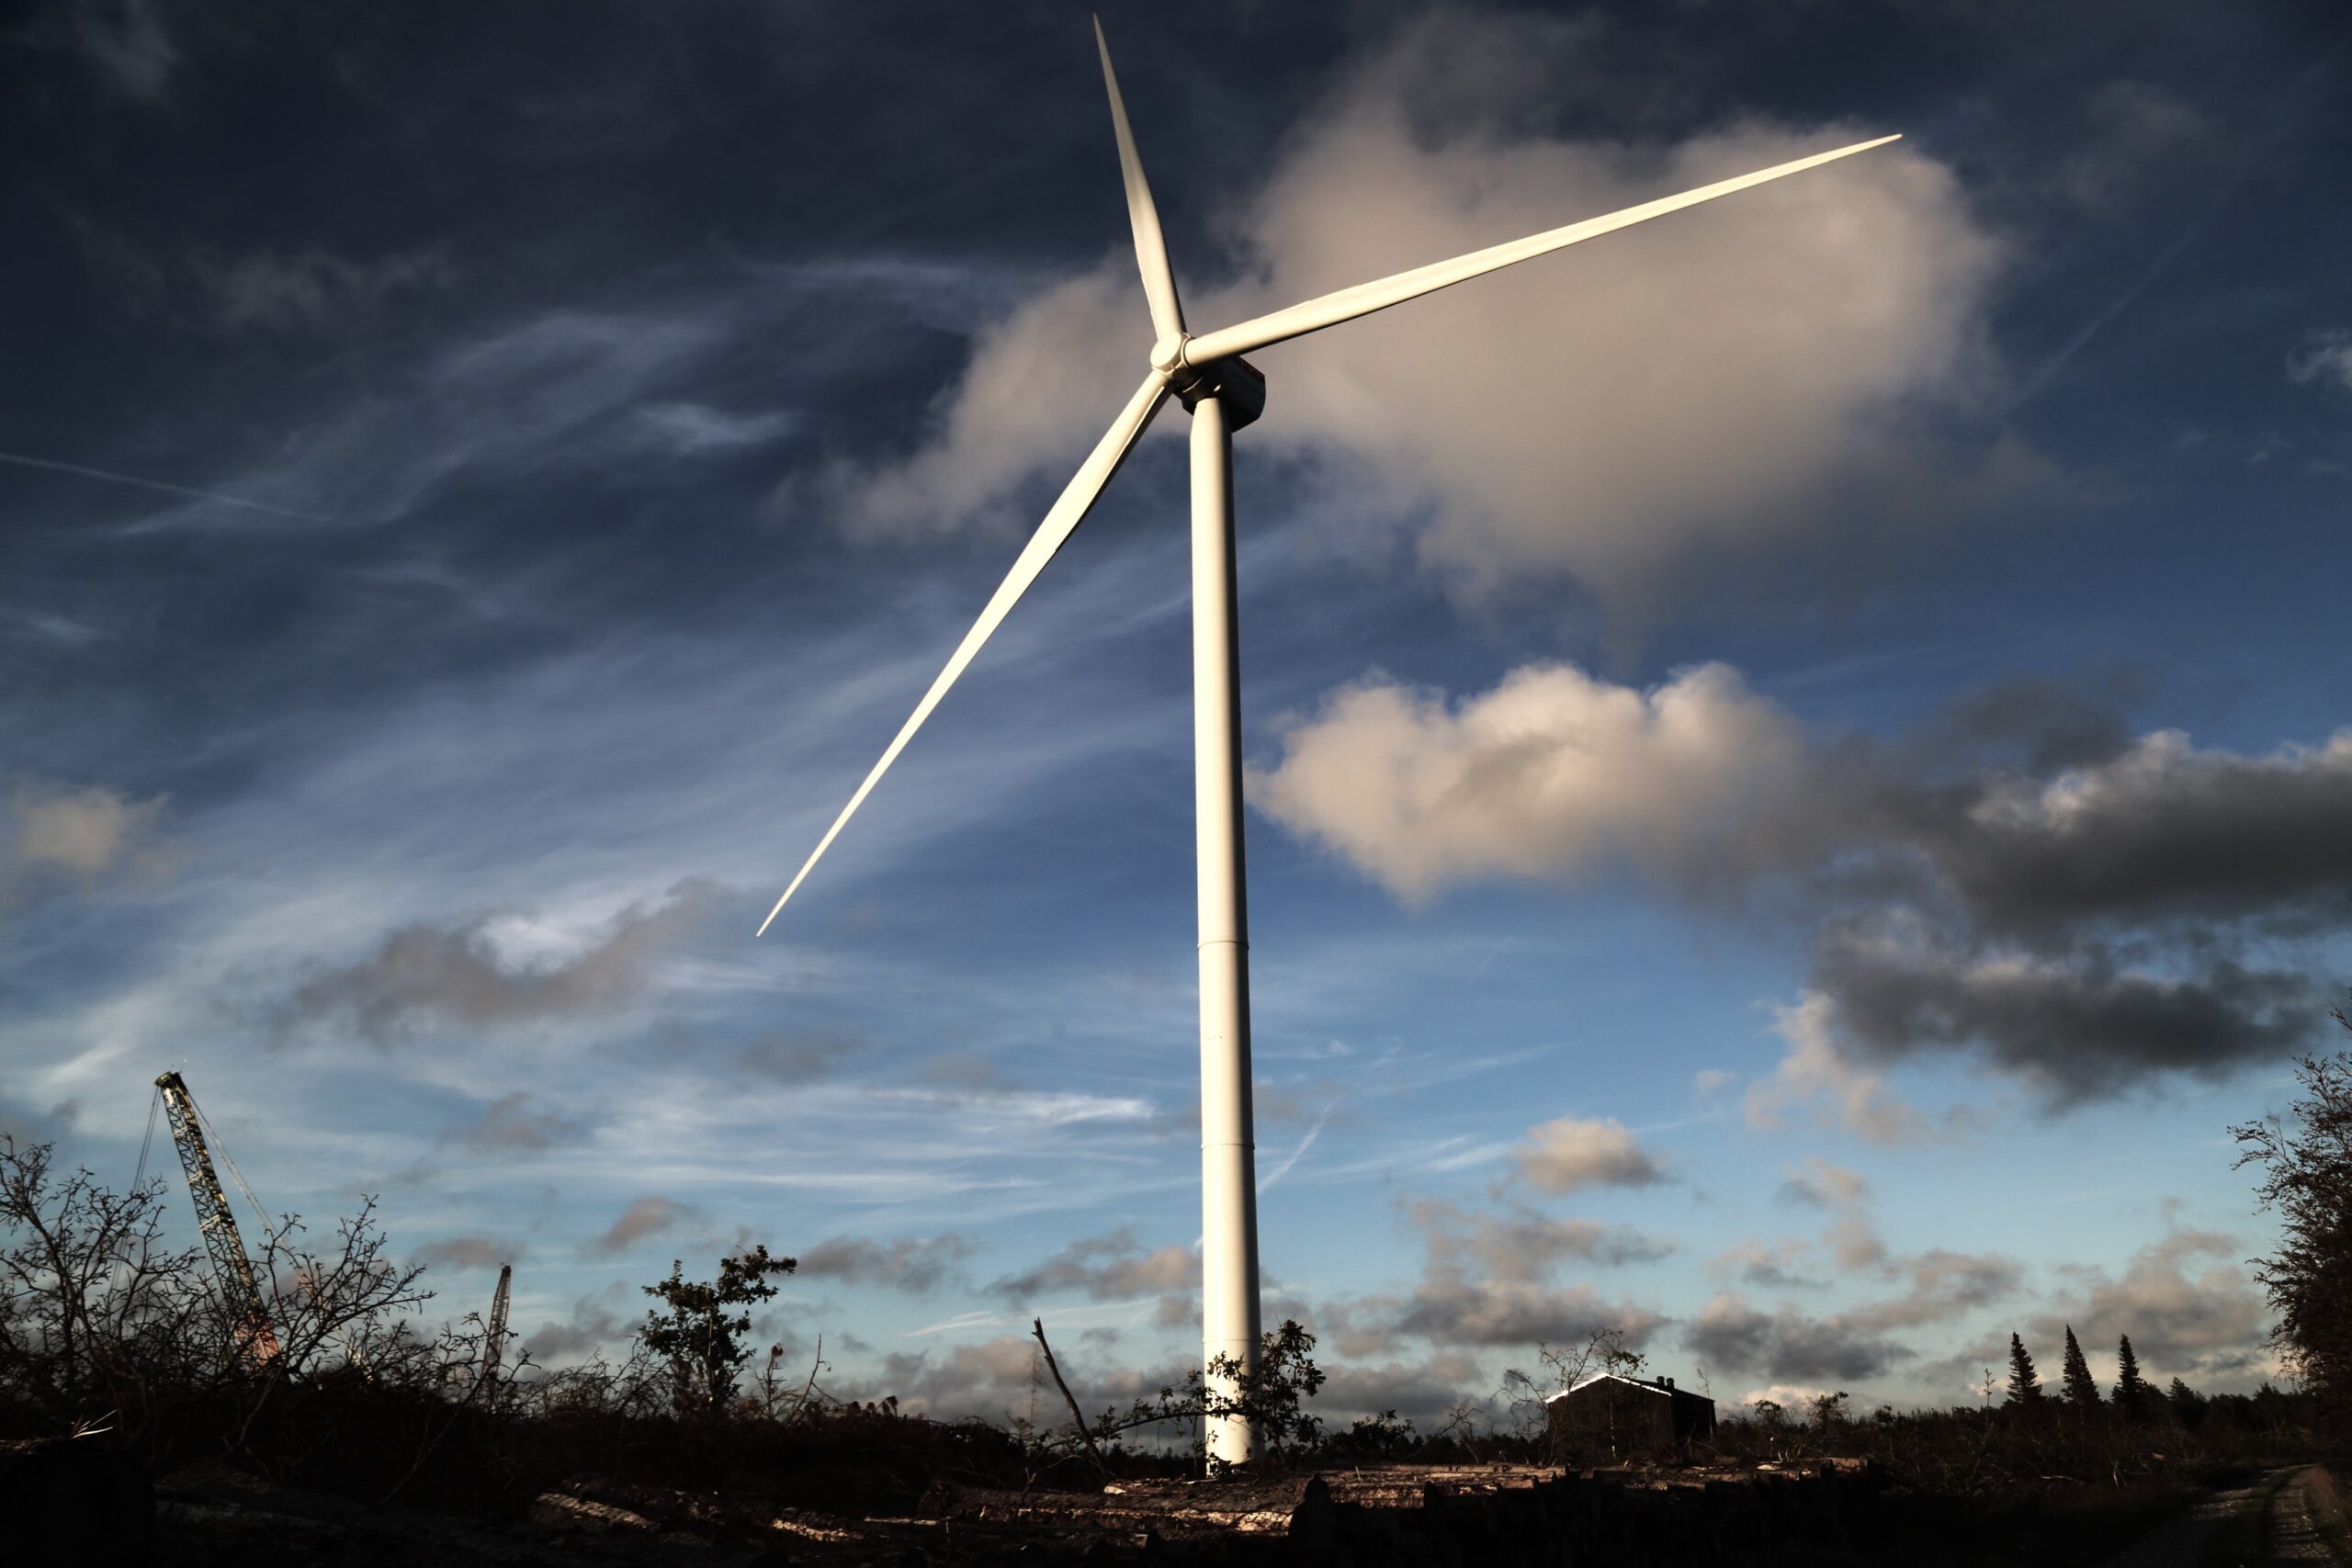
{"type": "Point", "coordinates": [1223, 393]}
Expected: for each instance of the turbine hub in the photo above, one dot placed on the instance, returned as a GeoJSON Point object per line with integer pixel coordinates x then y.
{"type": "Point", "coordinates": [1168, 356]}
{"type": "Point", "coordinates": [1235, 380]}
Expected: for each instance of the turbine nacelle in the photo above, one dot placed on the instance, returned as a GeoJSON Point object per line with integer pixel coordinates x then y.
{"type": "Point", "coordinates": [1233, 380]}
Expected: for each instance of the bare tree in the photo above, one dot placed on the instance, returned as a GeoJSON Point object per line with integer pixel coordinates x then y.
{"type": "Point", "coordinates": [2308, 1183]}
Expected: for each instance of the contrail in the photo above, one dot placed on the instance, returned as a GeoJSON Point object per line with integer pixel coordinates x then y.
{"type": "Point", "coordinates": [2292, 105]}
{"type": "Point", "coordinates": [1305, 1144]}
{"type": "Point", "coordinates": [20, 459]}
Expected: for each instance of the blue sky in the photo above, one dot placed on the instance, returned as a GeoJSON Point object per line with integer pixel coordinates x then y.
{"type": "Point", "coordinates": [1798, 762]}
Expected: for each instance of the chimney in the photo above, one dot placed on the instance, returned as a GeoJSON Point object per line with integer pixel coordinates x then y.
{"type": "Point", "coordinates": [1668, 1382]}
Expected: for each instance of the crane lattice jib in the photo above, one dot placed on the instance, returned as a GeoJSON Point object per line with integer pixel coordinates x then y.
{"type": "Point", "coordinates": [494, 1339]}
{"type": "Point", "coordinates": [257, 1345]}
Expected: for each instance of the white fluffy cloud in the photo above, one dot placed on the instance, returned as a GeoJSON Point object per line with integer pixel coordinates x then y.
{"type": "Point", "coordinates": [1568, 1154]}
{"type": "Point", "coordinates": [1739, 376]}
{"type": "Point", "coordinates": [1550, 774]}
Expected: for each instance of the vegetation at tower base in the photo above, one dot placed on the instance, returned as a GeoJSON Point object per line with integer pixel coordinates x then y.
{"type": "Point", "coordinates": [379, 1442]}
{"type": "Point", "coordinates": [2306, 1162]}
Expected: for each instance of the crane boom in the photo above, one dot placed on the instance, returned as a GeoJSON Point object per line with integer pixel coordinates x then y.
{"type": "Point", "coordinates": [493, 1341]}
{"type": "Point", "coordinates": [256, 1342]}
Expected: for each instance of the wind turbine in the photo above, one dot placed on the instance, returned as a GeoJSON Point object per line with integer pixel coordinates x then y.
{"type": "Point", "coordinates": [1223, 392]}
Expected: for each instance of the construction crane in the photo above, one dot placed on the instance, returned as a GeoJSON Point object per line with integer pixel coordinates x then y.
{"type": "Point", "coordinates": [256, 1342]}
{"type": "Point", "coordinates": [494, 1340]}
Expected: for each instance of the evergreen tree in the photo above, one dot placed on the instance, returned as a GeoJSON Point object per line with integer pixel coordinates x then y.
{"type": "Point", "coordinates": [2131, 1390]}
{"type": "Point", "coordinates": [2188, 1405]}
{"type": "Point", "coordinates": [2081, 1393]}
{"type": "Point", "coordinates": [2024, 1387]}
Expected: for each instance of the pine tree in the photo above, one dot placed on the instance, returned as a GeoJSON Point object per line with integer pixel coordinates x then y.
{"type": "Point", "coordinates": [2024, 1387]}
{"type": "Point", "coordinates": [2188, 1405]}
{"type": "Point", "coordinates": [2081, 1393]}
{"type": "Point", "coordinates": [2131, 1389]}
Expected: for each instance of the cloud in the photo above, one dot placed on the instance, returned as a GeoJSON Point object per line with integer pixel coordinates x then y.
{"type": "Point", "coordinates": [987, 1379]}
{"type": "Point", "coordinates": [1552, 773]}
{"type": "Point", "coordinates": [918, 1265]}
{"type": "Point", "coordinates": [1421, 1391]}
{"type": "Point", "coordinates": [1113, 1267]}
{"type": "Point", "coordinates": [591, 1327]}
{"type": "Point", "coordinates": [1523, 1246]}
{"type": "Point", "coordinates": [1943, 1285]}
{"type": "Point", "coordinates": [1816, 1071]}
{"type": "Point", "coordinates": [1739, 379]}
{"type": "Point", "coordinates": [2142, 142]}
{"type": "Point", "coordinates": [1568, 1154]}
{"type": "Point", "coordinates": [2186, 1302]}
{"type": "Point", "coordinates": [425, 974]}
{"type": "Point", "coordinates": [2160, 829]}
{"type": "Point", "coordinates": [797, 1057]}
{"type": "Point", "coordinates": [470, 1252]}
{"type": "Point", "coordinates": [963, 1073]}
{"type": "Point", "coordinates": [694, 430]}
{"type": "Point", "coordinates": [1822, 1185]}
{"type": "Point", "coordinates": [507, 1127]}
{"type": "Point", "coordinates": [2323, 356]}
{"type": "Point", "coordinates": [312, 289]}
{"type": "Point", "coordinates": [2074, 1030]}
{"type": "Point", "coordinates": [647, 1217]}
{"type": "Point", "coordinates": [58, 835]}
{"type": "Point", "coordinates": [26, 1128]}
{"type": "Point", "coordinates": [1455, 1312]}
{"type": "Point", "coordinates": [127, 43]}
{"type": "Point", "coordinates": [1787, 1344]}
{"type": "Point", "coordinates": [2020, 880]}
{"type": "Point", "coordinates": [1779, 1267]}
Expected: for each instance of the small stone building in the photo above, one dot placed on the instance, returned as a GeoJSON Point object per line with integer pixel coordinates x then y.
{"type": "Point", "coordinates": [1622, 1417]}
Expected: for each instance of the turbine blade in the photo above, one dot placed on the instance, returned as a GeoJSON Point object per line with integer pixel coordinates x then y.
{"type": "Point", "coordinates": [1331, 310]}
{"type": "Point", "coordinates": [1152, 245]}
{"type": "Point", "coordinates": [1060, 523]}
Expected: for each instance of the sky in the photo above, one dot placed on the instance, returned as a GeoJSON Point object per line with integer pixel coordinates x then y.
{"type": "Point", "coordinates": [1798, 769]}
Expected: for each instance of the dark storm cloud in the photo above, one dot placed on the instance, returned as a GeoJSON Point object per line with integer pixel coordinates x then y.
{"type": "Point", "coordinates": [2156, 831]}
{"type": "Point", "coordinates": [918, 1265]}
{"type": "Point", "coordinates": [2076, 1026]}
{"type": "Point", "coordinates": [427, 974]}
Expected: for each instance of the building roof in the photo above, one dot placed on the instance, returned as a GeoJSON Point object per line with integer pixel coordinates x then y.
{"type": "Point", "coordinates": [1646, 1386]}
